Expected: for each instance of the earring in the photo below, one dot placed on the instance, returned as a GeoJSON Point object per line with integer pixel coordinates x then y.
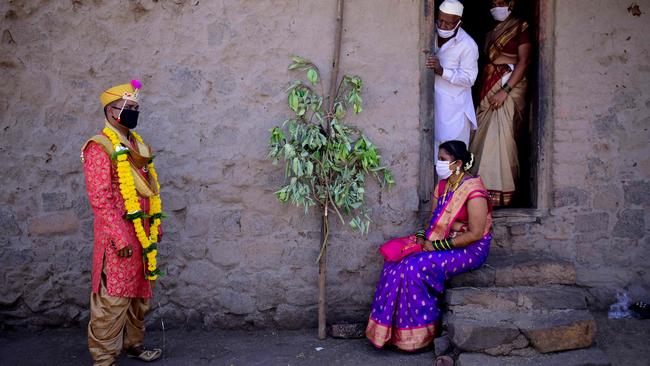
{"type": "Point", "coordinates": [457, 171]}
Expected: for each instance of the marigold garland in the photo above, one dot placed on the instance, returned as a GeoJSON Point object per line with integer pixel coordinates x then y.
{"type": "Point", "coordinates": [132, 204]}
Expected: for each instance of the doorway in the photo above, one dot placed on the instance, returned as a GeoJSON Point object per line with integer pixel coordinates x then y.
{"type": "Point", "coordinates": [477, 22]}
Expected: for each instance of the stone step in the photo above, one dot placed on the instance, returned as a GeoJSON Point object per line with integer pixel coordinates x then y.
{"type": "Point", "coordinates": [582, 357]}
{"type": "Point", "coordinates": [500, 332]}
{"type": "Point", "coordinates": [521, 269]}
{"type": "Point", "coordinates": [518, 298]}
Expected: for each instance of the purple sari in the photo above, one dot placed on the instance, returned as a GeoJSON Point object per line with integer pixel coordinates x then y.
{"type": "Point", "coordinates": [406, 311]}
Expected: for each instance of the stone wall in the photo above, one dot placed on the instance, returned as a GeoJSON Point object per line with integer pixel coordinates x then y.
{"type": "Point", "coordinates": [601, 149]}
{"type": "Point", "coordinates": [598, 213]}
{"type": "Point", "coordinates": [214, 74]}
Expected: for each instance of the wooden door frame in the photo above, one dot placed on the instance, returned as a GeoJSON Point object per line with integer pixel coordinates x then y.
{"type": "Point", "coordinates": [542, 112]}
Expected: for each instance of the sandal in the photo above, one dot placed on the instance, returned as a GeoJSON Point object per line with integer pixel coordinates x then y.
{"type": "Point", "coordinates": [444, 361]}
{"type": "Point", "coordinates": [641, 309]}
{"type": "Point", "coordinates": [143, 354]}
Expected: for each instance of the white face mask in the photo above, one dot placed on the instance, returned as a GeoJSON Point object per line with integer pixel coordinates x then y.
{"type": "Point", "coordinates": [443, 33]}
{"type": "Point", "coordinates": [500, 13]}
{"type": "Point", "coordinates": [442, 168]}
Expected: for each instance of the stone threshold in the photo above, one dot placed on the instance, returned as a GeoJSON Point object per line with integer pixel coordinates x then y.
{"type": "Point", "coordinates": [509, 216]}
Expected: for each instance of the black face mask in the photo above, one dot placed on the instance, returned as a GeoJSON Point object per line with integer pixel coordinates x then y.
{"type": "Point", "coordinates": [129, 118]}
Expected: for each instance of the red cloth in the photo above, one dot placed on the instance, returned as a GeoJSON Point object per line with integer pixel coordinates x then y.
{"type": "Point", "coordinates": [492, 73]}
{"type": "Point", "coordinates": [462, 216]}
{"type": "Point", "coordinates": [124, 276]}
{"type": "Point", "coordinates": [512, 47]}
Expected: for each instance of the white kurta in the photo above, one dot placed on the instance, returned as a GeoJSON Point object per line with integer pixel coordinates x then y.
{"type": "Point", "coordinates": [454, 108]}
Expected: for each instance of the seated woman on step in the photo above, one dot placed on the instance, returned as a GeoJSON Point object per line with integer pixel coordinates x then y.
{"type": "Point", "coordinates": [406, 311]}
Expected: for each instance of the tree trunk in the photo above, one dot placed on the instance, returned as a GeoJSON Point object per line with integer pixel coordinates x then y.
{"type": "Point", "coordinates": [324, 231]}
{"type": "Point", "coordinates": [337, 54]}
{"type": "Point", "coordinates": [322, 266]}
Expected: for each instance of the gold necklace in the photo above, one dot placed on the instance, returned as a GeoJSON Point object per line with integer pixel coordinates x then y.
{"type": "Point", "coordinates": [455, 185]}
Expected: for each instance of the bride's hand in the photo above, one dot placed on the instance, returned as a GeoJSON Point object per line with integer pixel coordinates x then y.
{"type": "Point", "coordinates": [457, 226]}
{"type": "Point", "coordinates": [427, 246]}
{"type": "Point", "coordinates": [420, 241]}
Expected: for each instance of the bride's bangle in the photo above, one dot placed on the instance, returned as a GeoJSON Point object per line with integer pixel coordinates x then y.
{"type": "Point", "coordinates": [444, 244]}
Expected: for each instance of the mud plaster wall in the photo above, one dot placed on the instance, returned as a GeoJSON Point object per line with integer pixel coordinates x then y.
{"type": "Point", "coordinates": [599, 215]}
{"type": "Point", "coordinates": [601, 155]}
{"type": "Point", "coordinates": [214, 73]}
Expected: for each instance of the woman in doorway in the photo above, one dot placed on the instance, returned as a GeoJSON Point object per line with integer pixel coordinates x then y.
{"type": "Point", "coordinates": [405, 311]}
{"type": "Point", "coordinates": [502, 101]}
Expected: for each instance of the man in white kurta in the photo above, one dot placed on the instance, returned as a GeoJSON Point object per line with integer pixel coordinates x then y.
{"type": "Point", "coordinates": [455, 63]}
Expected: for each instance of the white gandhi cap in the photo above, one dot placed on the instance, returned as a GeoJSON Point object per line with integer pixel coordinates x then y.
{"type": "Point", "coordinates": [453, 7]}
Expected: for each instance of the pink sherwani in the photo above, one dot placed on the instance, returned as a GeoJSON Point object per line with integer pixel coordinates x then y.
{"type": "Point", "coordinates": [124, 276]}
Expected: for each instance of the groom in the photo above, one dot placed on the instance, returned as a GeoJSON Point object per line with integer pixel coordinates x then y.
{"type": "Point", "coordinates": [119, 174]}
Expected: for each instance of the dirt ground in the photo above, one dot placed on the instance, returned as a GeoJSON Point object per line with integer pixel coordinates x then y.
{"type": "Point", "coordinates": [624, 340]}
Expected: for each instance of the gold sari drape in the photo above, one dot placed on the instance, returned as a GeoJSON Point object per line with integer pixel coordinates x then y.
{"type": "Point", "coordinates": [493, 143]}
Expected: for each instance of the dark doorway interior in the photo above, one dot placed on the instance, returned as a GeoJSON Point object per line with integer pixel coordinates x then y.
{"type": "Point", "coordinates": [477, 21]}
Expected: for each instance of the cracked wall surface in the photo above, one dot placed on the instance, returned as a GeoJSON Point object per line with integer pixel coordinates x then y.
{"type": "Point", "coordinates": [214, 73]}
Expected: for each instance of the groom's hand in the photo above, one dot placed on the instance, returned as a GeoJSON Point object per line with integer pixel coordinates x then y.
{"type": "Point", "coordinates": [125, 252]}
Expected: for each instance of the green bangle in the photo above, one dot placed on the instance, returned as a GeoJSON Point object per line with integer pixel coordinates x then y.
{"type": "Point", "coordinates": [442, 245]}
{"type": "Point", "coordinates": [507, 88]}
{"type": "Point", "coordinates": [436, 245]}
{"type": "Point", "coordinates": [448, 244]}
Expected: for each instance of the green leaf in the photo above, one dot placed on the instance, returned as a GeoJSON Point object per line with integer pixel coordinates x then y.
{"type": "Point", "coordinates": [388, 178]}
{"type": "Point", "coordinates": [277, 136]}
{"type": "Point", "coordinates": [355, 222]}
{"type": "Point", "coordinates": [312, 75]}
{"type": "Point", "coordinates": [300, 60]}
{"type": "Point", "coordinates": [293, 100]}
{"type": "Point", "coordinates": [297, 167]}
{"type": "Point", "coordinates": [289, 151]}
{"type": "Point", "coordinates": [325, 162]}
{"type": "Point", "coordinates": [339, 110]}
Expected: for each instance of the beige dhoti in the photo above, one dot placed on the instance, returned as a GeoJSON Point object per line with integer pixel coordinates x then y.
{"type": "Point", "coordinates": [116, 323]}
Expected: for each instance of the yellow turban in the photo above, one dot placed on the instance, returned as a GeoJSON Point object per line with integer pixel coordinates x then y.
{"type": "Point", "coordinates": [124, 91]}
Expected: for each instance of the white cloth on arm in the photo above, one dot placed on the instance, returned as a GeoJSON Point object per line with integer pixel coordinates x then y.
{"type": "Point", "coordinates": [463, 135]}
{"type": "Point", "coordinates": [454, 108]}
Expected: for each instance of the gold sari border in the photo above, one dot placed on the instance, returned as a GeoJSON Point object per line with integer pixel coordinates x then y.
{"type": "Point", "coordinates": [508, 30]}
{"type": "Point", "coordinates": [378, 334]}
{"type": "Point", "coordinates": [452, 209]}
{"type": "Point", "coordinates": [406, 339]}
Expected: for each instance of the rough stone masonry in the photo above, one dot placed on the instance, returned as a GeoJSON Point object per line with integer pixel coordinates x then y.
{"type": "Point", "coordinates": [214, 74]}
